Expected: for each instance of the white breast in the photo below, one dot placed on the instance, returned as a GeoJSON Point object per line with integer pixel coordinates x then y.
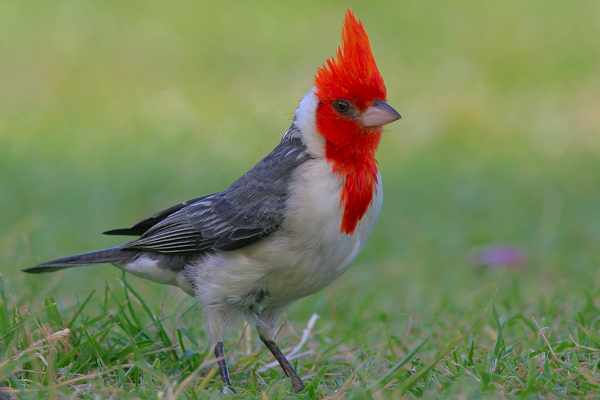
{"type": "Point", "coordinates": [311, 232]}
{"type": "Point", "coordinates": [306, 254]}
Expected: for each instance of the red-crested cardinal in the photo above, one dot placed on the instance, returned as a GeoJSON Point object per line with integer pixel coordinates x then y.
{"type": "Point", "coordinates": [286, 229]}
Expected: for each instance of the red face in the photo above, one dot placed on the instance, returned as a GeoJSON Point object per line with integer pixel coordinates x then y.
{"type": "Point", "coordinates": [346, 87]}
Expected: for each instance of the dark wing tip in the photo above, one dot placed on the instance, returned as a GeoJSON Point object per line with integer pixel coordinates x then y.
{"type": "Point", "coordinates": [124, 231]}
{"type": "Point", "coordinates": [142, 226]}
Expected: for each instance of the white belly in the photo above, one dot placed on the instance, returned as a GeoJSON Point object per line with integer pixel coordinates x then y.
{"type": "Point", "coordinates": [306, 254]}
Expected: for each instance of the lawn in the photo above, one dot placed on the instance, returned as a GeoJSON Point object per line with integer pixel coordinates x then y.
{"type": "Point", "coordinates": [480, 280]}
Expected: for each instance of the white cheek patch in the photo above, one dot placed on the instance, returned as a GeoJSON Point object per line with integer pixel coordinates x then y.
{"type": "Point", "coordinates": [306, 122]}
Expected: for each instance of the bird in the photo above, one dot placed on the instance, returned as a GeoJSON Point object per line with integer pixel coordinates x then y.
{"type": "Point", "coordinates": [286, 229]}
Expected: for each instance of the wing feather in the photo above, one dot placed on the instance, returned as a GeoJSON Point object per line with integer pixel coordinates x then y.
{"type": "Point", "coordinates": [250, 209]}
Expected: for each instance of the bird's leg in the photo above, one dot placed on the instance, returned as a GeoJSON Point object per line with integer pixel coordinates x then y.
{"type": "Point", "coordinates": [297, 383]}
{"type": "Point", "coordinates": [223, 366]}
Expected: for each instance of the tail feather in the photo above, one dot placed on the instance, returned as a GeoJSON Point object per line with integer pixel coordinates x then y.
{"type": "Point", "coordinates": [105, 256]}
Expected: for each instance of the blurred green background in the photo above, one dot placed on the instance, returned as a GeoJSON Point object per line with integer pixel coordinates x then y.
{"type": "Point", "coordinates": [111, 111]}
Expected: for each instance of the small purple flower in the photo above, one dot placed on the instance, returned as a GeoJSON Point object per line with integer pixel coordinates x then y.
{"type": "Point", "coordinates": [499, 256]}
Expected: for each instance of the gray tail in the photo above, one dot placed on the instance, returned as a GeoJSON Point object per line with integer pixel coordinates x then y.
{"type": "Point", "coordinates": [105, 256]}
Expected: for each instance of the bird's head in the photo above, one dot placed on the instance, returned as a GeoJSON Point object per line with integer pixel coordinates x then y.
{"type": "Point", "coordinates": [350, 114]}
{"type": "Point", "coordinates": [351, 93]}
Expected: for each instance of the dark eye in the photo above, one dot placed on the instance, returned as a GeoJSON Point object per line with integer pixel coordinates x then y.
{"type": "Point", "coordinates": [342, 107]}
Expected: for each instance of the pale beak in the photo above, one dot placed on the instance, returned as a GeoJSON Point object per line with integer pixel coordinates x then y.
{"type": "Point", "coordinates": [379, 114]}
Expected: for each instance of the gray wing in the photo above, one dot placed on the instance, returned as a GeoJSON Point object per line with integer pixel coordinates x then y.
{"type": "Point", "coordinates": [251, 208]}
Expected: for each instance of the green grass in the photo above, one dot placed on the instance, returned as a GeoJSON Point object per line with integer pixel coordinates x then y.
{"type": "Point", "coordinates": [111, 111]}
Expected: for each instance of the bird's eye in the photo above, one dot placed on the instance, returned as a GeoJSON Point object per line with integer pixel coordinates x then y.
{"type": "Point", "coordinates": [342, 107]}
